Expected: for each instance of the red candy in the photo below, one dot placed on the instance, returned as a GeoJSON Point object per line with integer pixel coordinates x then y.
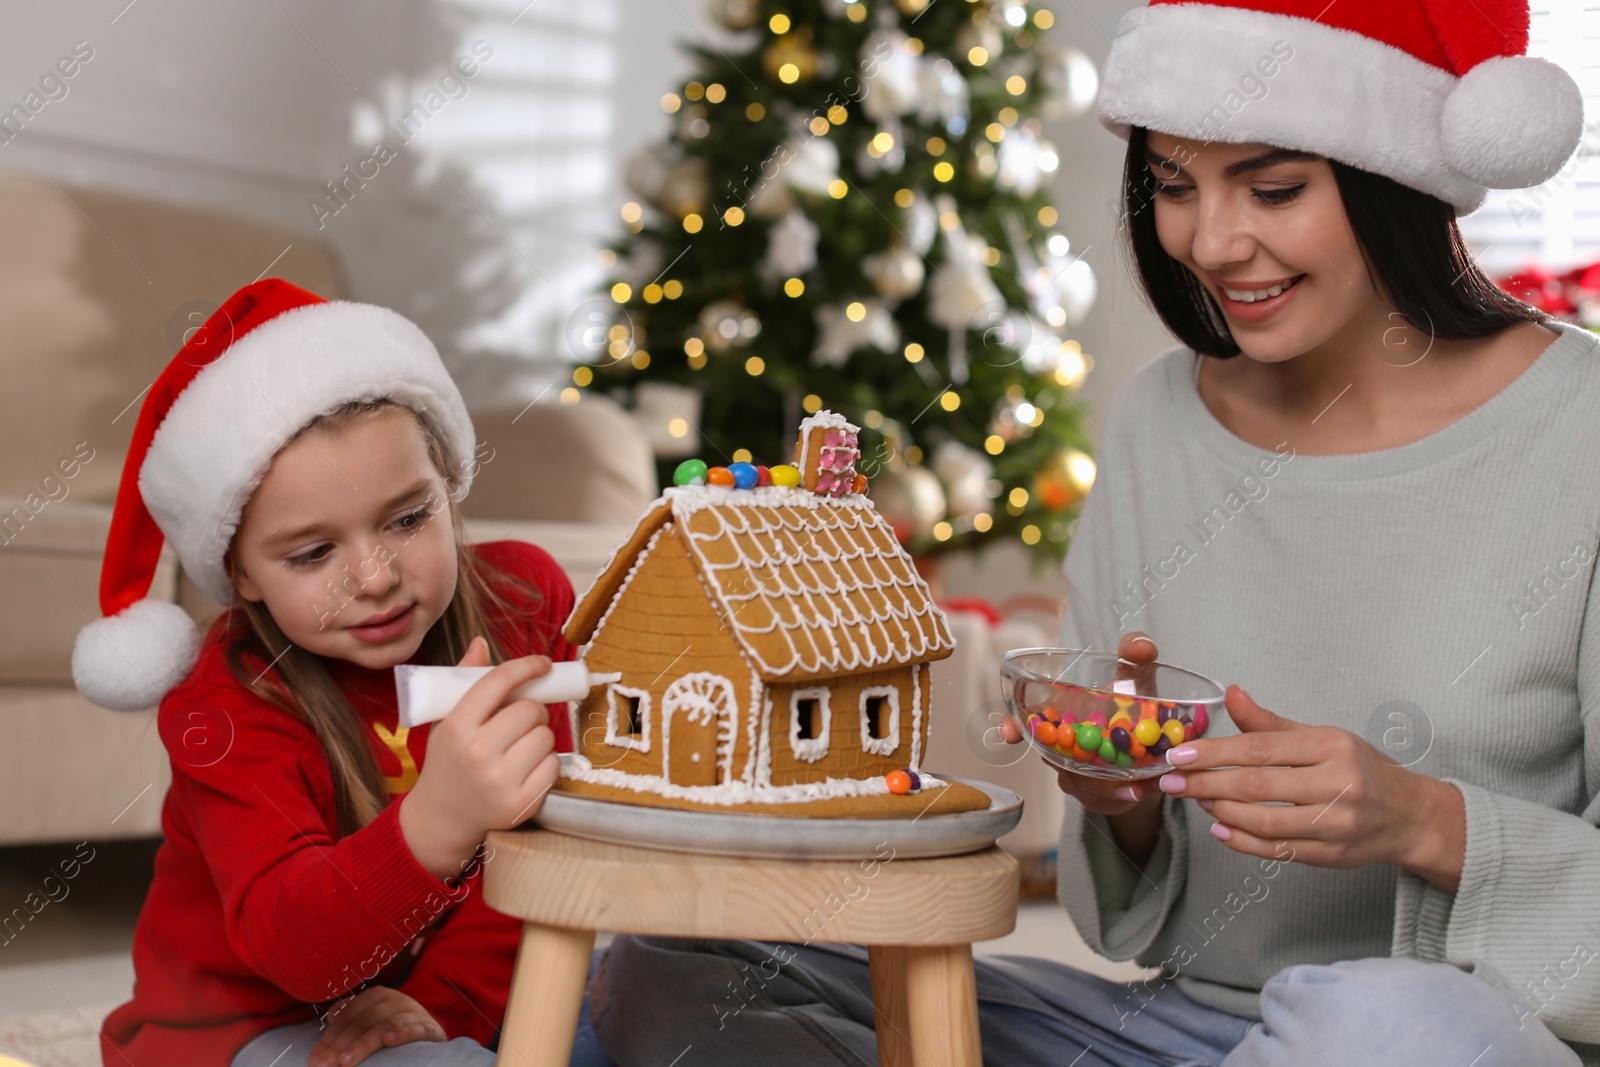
{"type": "Point", "coordinates": [763, 476]}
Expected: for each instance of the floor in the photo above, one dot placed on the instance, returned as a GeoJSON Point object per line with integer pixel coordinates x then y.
{"type": "Point", "coordinates": [64, 946]}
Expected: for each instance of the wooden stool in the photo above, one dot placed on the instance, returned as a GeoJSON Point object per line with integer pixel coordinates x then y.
{"type": "Point", "coordinates": [917, 917]}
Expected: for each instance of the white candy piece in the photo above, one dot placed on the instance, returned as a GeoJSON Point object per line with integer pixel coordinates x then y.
{"type": "Point", "coordinates": [427, 694]}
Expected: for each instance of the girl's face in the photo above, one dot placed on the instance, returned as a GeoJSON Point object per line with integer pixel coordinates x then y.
{"type": "Point", "coordinates": [1254, 220]}
{"type": "Point", "coordinates": [349, 539]}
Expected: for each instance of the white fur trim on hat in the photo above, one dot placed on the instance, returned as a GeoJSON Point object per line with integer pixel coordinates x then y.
{"type": "Point", "coordinates": [129, 660]}
{"type": "Point", "coordinates": [219, 437]}
{"type": "Point", "coordinates": [1197, 70]}
{"type": "Point", "coordinates": [1512, 122]}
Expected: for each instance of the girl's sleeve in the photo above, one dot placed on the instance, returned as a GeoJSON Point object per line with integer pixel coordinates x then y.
{"type": "Point", "coordinates": [1523, 915]}
{"type": "Point", "coordinates": [1117, 906]}
{"type": "Point", "coordinates": [463, 976]}
{"type": "Point", "coordinates": [314, 916]}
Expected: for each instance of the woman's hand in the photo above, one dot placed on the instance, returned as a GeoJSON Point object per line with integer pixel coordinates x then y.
{"type": "Point", "coordinates": [490, 763]}
{"type": "Point", "coordinates": [1344, 803]}
{"type": "Point", "coordinates": [377, 1017]}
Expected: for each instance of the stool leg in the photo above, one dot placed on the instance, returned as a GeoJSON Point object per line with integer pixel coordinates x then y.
{"type": "Point", "coordinates": [890, 1017]}
{"type": "Point", "coordinates": [546, 997]}
{"type": "Point", "coordinates": [942, 1005]}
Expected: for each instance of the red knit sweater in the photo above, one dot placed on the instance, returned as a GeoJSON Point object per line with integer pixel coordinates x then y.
{"type": "Point", "coordinates": [260, 914]}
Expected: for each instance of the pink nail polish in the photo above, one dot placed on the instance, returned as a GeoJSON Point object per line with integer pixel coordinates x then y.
{"type": "Point", "coordinates": [1172, 783]}
{"type": "Point", "coordinates": [1220, 832]}
{"type": "Point", "coordinates": [1181, 755]}
{"type": "Point", "coordinates": [1124, 792]}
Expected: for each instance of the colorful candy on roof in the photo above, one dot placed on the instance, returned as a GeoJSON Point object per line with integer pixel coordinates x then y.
{"type": "Point", "coordinates": [824, 463]}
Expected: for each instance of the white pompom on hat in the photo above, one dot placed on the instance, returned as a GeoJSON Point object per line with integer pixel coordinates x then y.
{"type": "Point", "coordinates": [1435, 94]}
{"type": "Point", "coordinates": [205, 436]}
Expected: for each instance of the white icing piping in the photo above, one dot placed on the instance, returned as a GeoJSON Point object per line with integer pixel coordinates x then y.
{"type": "Point", "coordinates": [810, 749]}
{"type": "Point", "coordinates": [778, 575]}
{"type": "Point", "coordinates": [885, 745]}
{"type": "Point", "coordinates": [580, 769]}
{"type": "Point", "coordinates": [702, 697]}
{"type": "Point", "coordinates": [916, 718]}
{"type": "Point", "coordinates": [623, 740]}
{"type": "Point", "coordinates": [627, 580]}
{"type": "Point", "coordinates": [756, 728]}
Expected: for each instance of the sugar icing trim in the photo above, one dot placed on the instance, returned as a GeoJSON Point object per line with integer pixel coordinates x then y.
{"type": "Point", "coordinates": [581, 770]}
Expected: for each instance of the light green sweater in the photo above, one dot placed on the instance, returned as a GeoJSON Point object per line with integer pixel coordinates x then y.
{"type": "Point", "coordinates": [1435, 598]}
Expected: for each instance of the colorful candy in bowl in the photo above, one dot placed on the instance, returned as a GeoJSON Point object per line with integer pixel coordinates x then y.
{"type": "Point", "coordinates": [1095, 713]}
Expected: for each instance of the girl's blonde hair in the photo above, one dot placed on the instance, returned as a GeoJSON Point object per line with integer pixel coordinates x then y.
{"type": "Point", "coordinates": [299, 682]}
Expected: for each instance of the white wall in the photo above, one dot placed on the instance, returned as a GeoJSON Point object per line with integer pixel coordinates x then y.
{"type": "Point", "coordinates": [488, 212]}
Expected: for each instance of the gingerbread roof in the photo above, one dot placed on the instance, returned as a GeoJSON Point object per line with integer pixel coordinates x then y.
{"type": "Point", "coordinates": [810, 586]}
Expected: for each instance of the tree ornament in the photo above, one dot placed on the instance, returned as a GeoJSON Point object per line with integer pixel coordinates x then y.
{"type": "Point", "coordinates": [727, 324]}
{"type": "Point", "coordinates": [685, 188]}
{"type": "Point", "coordinates": [808, 164]}
{"type": "Point", "coordinates": [791, 247]}
{"type": "Point", "coordinates": [892, 73]}
{"type": "Point", "coordinates": [961, 291]}
{"type": "Point", "coordinates": [1070, 82]}
{"type": "Point", "coordinates": [735, 14]}
{"type": "Point", "coordinates": [966, 474]}
{"type": "Point", "coordinates": [1064, 480]}
{"type": "Point", "coordinates": [1020, 161]}
{"type": "Point", "coordinates": [896, 272]}
{"type": "Point", "coordinates": [920, 225]}
{"type": "Point", "coordinates": [911, 499]}
{"type": "Point", "coordinates": [844, 328]}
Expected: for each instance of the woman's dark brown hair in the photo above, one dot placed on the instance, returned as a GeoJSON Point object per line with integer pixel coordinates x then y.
{"type": "Point", "coordinates": [299, 682]}
{"type": "Point", "coordinates": [1410, 241]}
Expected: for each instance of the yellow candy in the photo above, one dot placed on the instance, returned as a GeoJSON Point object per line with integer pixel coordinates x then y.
{"type": "Point", "coordinates": [1174, 731]}
{"type": "Point", "coordinates": [785, 475]}
{"type": "Point", "coordinates": [1147, 732]}
{"type": "Point", "coordinates": [1123, 704]}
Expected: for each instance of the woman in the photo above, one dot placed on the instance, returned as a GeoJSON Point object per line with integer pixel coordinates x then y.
{"type": "Point", "coordinates": [1365, 488]}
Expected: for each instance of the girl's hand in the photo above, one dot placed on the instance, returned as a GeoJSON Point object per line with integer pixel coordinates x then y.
{"type": "Point", "coordinates": [374, 1018]}
{"type": "Point", "coordinates": [490, 763]}
{"type": "Point", "coordinates": [1347, 804]}
{"type": "Point", "coordinates": [1099, 795]}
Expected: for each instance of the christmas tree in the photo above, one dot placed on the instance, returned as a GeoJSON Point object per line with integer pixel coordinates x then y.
{"type": "Point", "coordinates": [850, 214]}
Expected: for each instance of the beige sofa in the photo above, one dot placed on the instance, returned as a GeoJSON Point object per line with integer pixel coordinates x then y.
{"type": "Point", "coordinates": [96, 290]}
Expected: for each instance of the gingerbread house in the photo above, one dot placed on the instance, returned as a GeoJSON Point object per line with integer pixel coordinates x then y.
{"type": "Point", "coordinates": [774, 641]}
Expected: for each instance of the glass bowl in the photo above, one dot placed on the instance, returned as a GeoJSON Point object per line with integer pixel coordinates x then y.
{"type": "Point", "coordinates": [1085, 711]}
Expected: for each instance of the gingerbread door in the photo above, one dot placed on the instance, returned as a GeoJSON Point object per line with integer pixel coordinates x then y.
{"type": "Point", "coordinates": [697, 713]}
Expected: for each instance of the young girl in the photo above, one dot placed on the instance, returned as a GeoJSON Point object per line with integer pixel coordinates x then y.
{"type": "Point", "coordinates": [316, 899]}
{"type": "Point", "coordinates": [1365, 488]}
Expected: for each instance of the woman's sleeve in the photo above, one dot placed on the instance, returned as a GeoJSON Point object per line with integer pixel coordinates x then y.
{"type": "Point", "coordinates": [314, 916]}
{"type": "Point", "coordinates": [1523, 915]}
{"type": "Point", "coordinates": [1117, 906]}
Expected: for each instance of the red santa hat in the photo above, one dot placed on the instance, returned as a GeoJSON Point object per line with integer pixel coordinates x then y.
{"type": "Point", "coordinates": [272, 358]}
{"type": "Point", "coordinates": [1436, 94]}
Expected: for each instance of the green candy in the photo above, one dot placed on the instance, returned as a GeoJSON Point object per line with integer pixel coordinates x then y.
{"type": "Point", "coordinates": [1124, 760]}
{"type": "Point", "coordinates": [1088, 736]}
{"type": "Point", "coordinates": [1108, 751]}
{"type": "Point", "coordinates": [690, 472]}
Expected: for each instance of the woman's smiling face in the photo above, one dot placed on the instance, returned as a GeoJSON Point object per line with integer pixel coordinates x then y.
{"type": "Point", "coordinates": [1248, 219]}
{"type": "Point", "coordinates": [349, 526]}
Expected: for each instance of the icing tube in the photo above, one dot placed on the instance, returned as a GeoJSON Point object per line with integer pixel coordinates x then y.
{"type": "Point", "coordinates": [427, 694]}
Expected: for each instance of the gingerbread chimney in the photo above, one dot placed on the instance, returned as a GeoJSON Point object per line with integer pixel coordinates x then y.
{"type": "Point", "coordinates": [826, 454]}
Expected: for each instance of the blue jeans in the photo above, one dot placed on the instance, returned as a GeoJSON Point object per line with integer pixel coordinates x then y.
{"type": "Point", "coordinates": [738, 1003]}
{"type": "Point", "coordinates": [290, 1046]}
